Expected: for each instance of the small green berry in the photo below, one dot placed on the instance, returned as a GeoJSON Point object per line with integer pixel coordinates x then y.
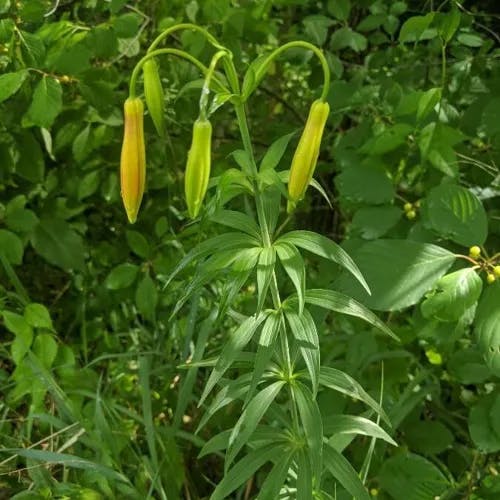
{"type": "Point", "coordinates": [490, 278]}
{"type": "Point", "coordinates": [411, 214]}
{"type": "Point", "coordinates": [407, 207]}
{"type": "Point", "coordinates": [496, 271]}
{"type": "Point", "coordinates": [474, 252]}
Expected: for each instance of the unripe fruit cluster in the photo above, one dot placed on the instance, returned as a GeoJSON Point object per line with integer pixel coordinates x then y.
{"type": "Point", "coordinates": [410, 211]}
{"type": "Point", "coordinates": [474, 252]}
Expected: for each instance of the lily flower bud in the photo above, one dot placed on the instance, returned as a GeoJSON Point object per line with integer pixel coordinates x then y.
{"type": "Point", "coordinates": [198, 166]}
{"type": "Point", "coordinates": [307, 152]}
{"type": "Point", "coordinates": [133, 157]}
{"type": "Point", "coordinates": [153, 92]}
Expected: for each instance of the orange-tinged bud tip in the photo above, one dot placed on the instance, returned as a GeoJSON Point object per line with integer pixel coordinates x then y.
{"type": "Point", "coordinates": [307, 152]}
{"type": "Point", "coordinates": [133, 157]}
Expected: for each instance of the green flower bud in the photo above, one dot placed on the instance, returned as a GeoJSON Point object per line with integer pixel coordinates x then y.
{"type": "Point", "coordinates": [198, 166]}
{"type": "Point", "coordinates": [153, 92]}
{"type": "Point", "coordinates": [307, 152]}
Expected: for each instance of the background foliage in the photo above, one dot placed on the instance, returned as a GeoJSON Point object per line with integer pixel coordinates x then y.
{"type": "Point", "coordinates": [89, 358]}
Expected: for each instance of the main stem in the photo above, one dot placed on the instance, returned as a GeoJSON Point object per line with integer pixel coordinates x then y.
{"type": "Point", "coordinates": [266, 237]}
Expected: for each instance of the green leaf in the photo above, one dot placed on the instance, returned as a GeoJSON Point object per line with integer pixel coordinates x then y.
{"type": "Point", "coordinates": [338, 302]}
{"type": "Point", "coordinates": [324, 247]}
{"type": "Point", "coordinates": [483, 423]}
{"type": "Point", "coordinates": [10, 83]}
{"type": "Point", "coordinates": [293, 263]}
{"type": "Point", "coordinates": [70, 461]}
{"type": "Point", "coordinates": [312, 424]}
{"type": "Point", "coordinates": [305, 333]}
{"type": "Point", "coordinates": [250, 418]}
{"type": "Point", "coordinates": [275, 152]}
{"type": "Point", "coordinates": [449, 23]}
{"type": "Point", "coordinates": [388, 140]}
{"type": "Point", "coordinates": [265, 270]}
{"type": "Point", "coordinates": [236, 342]}
{"type": "Point", "coordinates": [46, 103]}
{"type": "Point", "coordinates": [146, 297]}
{"type": "Point", "coordinates": [343, 471]}
{"type": "Point", "coordinates": [59, 244]}
{"type": "Point", "coordinates": [121, 276]}
{"type": "Point", "coordinates": [342, 382]}
{"type": "Point", "coordinates": [470, 40]}
{"type": "Point", "coordinates": [467, 366]}
{"type": "Point", "coordinates": [457, 214]}
{"type": "Point", "coordinates": [238, 221]}
{"type": "Point", "coordinates": [11, 247]}
{"type": "Point", "coordinates": [316, 28]}
{"type": "Point", "coordinates": [374, 222]}
{"type": "Point", "coordinates": [23, 335]}
{"type": "Point", "coordinates": [340, 9]}
{"type": "Point", "coordinates": [346, 37]}
{"type": "Point", "coordinates": [138, 244]}
{"type": "Point", "coordinates": [276, 478]}
{"type": "Point", "coordinates": [399, 272]}
{"type": "Point", "coordinates": [452, 295]}
{"type": "Point", "coordinates": [352, 424]}
{"type": "Point", "coordinates": [30, 163]}
{"type": "Point", "coordinates": [427, 102]}
{"type": "Point", "coordinates": [45, 349]}
{"type": "Point", "coordinates": [428, 437]}
{"type": "Point", "coordinates": [487, 327]}
{"type": "Point", "coordinates": [304, 476]}
{"type": "Point", "coordinates": [227, 241]}
{"type": "Point", "coordinates": [413, 28]}
{"type": "Point", "coordinates": [38, 316]}
{"type": "Point", "coordinates": [246, 467]}
{"type": "Point", "coordinates": [411, 477]}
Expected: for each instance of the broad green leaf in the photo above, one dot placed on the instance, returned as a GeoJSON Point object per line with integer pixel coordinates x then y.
{"type": "Point", "coordinates": [46, 103]}
{"type": "Point", "coordinates": [467, 366]}
{"type": "Point", "coordinates": [45, 349]}
{"type": "Point", "coordinates": [388, 140]}
{"type": "Point", "coordinates": [449, 23]}
{"type": "Point", "coordinates": [236, 342]}
{"type": "Point", "coordinates": [340, 9]}
{"type": "Point", "coordinates": [304, 331]}
{"type": "Point", "coordinates": [312, 424]}
{"type": "Point", "coordinates": [246, 467]}
{"type": "Point", "coordinates": [38, 316]}
{"type": "Point", "coordinates": [146, 297]}
{"type": "Point", "coordinates": [457, 214]}
{"type": "Point", "coordinates": [215, 443]}
{"type": "Point", "coordinates": [59, 244]}
{"type": "Point", "coordinates": [265, 270]}
{"type": "Point", "coordinates": [316, 28]}
{"type": "Point", "coordinates": [342, 382]}
{"type": "Point", "coordinates": [138, 243]}
{"type": "Point", "coordinates": [411, 477]}
{"type": "Point", "coordinates": [427, 102]}
{"type": "Point", "coordinates": [352, 424]}
{"type": "Point", "coordinates": [293, 263]}
{"type": "Point", "coordinates": [399, 272]}
{"type": "Point", "coordinates": [335, 301]}
{"type": "Point", "coordinates": [275, 153]}
{"type": "Point", "coordinates": [324, 247]}
{"type": "Point", "coordinates": [238, 221]}
{"type": "Point", "coordinates": [30, 162]}
{"type": "Point", "coordinates": [346, 37]}
{"type": "Point", "coordinates": [428, 437]}
{"type": "Point", "coordinates": [122, 276]}
{"type": "Point", "coordinates": [227, 241]}
{"type": "Point", "coordinates": [343, 472]}
{"type": "Point", "coordinates": [373, 222]}
{"type": "Point", "coordinates": [487, 327]}
{"type": "Point", "coordinates": [414, 27]}
{"type": "Point", "coordinates": [10, 83]}
{"type": "Point", "coordinates": [250, 418]}
{"type": "Point", "coordinates": [483, 423]}
{"type": "Point", "coordinates": [23, 332]}
{"type": "Point", "coordinates": [11, 247]}
{"type": "Point", "coordinates": [452, 295]}
{"type": "Point", "coordinates": [253, 76]}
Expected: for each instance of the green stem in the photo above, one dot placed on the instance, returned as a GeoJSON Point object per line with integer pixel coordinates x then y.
{"type": "Point", "coordinates": [266, 238]}
{"type": "Point", "coordinates": [305, 45]}
{"type": "Point", "coordinates": [184, 26]}
{"type": "Point", "coordinates": [205, 91]}
{"type": "Point", "coordinates": [174, 52]}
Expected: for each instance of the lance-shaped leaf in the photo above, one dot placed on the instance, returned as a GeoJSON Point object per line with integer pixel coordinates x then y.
{"type": "Point", "coordinates": [293, 263]}
{"type": "Point", "coordinates": [324, 247]}
{"type": "Point", "coordinates": [238, 221]}
{"type": "Point", "coordinates": [265, 270]}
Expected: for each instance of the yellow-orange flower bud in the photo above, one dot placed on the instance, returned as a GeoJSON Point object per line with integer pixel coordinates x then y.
{"type": "Point", "coordinates": [307, 152]}
{"type": "Point", "coordinates": [133, 157]}
{"type": "Point", "coordinates": [198, 166]}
